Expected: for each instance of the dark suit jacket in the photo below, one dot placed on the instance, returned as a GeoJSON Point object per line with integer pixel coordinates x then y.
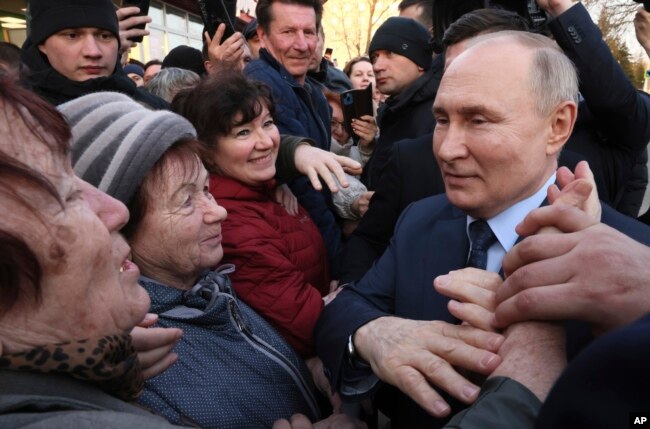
{"type": "Point", "coordinates": [412, 174]}
{"type": "Point", "coordinates": [606, 382]}
{"type": "Point", "coordinates": [613, 126]}
{"type": "Point", "coordinates": [429, 240]}
{"type": "Point", "coordinates": [612, 129]}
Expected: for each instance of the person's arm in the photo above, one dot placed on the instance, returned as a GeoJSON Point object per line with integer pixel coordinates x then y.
{"type": "Point", "coordinates": [621, 112]}
{"type": "Point", "coordinates": [533, 357]}
{"type": "Point", "coordinates": [591, 272]}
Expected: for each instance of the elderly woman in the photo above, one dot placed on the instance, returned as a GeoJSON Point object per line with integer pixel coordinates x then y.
{"type": "Point", "coordinates": [280, 259]}
{"type": "Point", "coordinates": [69, 294]}
{"type": "Point", "coordinates": [228, 352]}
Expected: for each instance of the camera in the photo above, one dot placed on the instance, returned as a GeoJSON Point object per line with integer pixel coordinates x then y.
{"type": "Point", "coordinates": [446, 12]}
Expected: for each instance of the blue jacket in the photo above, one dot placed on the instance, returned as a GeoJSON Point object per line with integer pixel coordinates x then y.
{"type": "Point", "coordinates": [233, 369]}
{"type": "Point", "coordinates": [301, 110]}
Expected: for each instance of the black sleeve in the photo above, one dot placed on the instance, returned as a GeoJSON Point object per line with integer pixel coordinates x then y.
{"type": "Point", "coordinates": [503, 404]}
{"type": "Point", "coordinates": [372, 235]}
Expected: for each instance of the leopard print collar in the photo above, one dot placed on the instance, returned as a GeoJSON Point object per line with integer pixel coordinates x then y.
{"type": "Point", "coordinates": [110, 362]}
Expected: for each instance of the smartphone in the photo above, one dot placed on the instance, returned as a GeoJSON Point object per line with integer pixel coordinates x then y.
{"type": "Point", "coordinates": [215, 12]}
{"type": "Point", "coordinates": [144, 11]}
{"type": "Point", "coordinates": [356, 103]}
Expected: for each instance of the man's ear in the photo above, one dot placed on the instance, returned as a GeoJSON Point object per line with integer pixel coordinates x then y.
{"type": "Point", "coordinates": [562, 120]}
{"type": "Point", "coordinates": [207, 64]}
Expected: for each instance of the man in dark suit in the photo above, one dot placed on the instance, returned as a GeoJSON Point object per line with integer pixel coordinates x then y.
{"type": "Point", "coordinates": [612, 128]}
{"type": "Point", "coordinates": [497, 143]}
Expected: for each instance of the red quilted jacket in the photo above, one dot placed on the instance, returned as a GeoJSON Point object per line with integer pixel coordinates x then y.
{"type": "Point", "coordinates": [281, 261]}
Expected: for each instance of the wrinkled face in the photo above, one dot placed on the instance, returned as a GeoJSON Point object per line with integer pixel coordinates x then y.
{"type": "Point", "coordinates": [490, 141]}
{"type": "Point", "coordinates": [362, 75]}
{"type": "Point", "coordinates": [180, 234]}
{"type": "Point", "coordinates": [338, 130]}
{"type": "Point", "coordinates": [248, 153]}
{"type": "Point", "coordinates": [292, 37]}
{"type": "Point", "coordinates": [80, 54]}
{"type": "Point", "coordinates": [89, 286]}
{"type": "Point", "coordinates": [150, 72]}
{"type": "Point", "coordinates": [393, 72]}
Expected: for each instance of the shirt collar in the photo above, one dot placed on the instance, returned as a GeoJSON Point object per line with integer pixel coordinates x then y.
{"type": "Point", "coordinates": [503, 225]}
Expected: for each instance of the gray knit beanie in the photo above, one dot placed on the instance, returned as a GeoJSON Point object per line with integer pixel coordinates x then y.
{"type": "Point", "coordinates": [116, 141]}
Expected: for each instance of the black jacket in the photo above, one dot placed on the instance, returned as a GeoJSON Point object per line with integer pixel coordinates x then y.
{"type": "Point", "coordinates": [405, 116]}
{"type": "Point", "coordinates": [57, 89]}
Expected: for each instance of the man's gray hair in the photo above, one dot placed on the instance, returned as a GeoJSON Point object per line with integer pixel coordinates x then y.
{"type": "Point", "coordinates": [166, 83]}
{"type": "Point", "coordinates": [553, 77]}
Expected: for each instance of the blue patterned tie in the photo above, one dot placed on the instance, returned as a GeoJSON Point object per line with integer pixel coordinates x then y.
{"type": "Point", "coordinates": [482, 238]}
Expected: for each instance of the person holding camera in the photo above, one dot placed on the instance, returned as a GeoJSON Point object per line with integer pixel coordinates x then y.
{"type": "Point", "coordinates": [73, 48]}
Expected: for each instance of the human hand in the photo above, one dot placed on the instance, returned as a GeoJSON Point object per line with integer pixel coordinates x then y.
{"type": "Point", "coordinates": [286, 199]}
{"type": "Point", "coordinates": [642, 28]}
{"type": "Point", "coordinates": [128, 18]}
{"type": "Point", "coordinates": [415, 355]}
{"type": "Point", "coordinates": [314, 162]}
{"type": "Point", "coordinates": [360, 205]}
{"type": "Point", "coordinates": [154, 346]}
{"type": "Point", "coordinates": [315, 366]}
{"type": "Point", "coordinates": [555, 7]}
{"type": "Point", "coordinates": [578, 190]}
{"type": "Point", "coordinates": [335, 421]}
{"type": "Point", "coordinates": [473, 294]}
{"type": "Point", "coordinates": [230, 52]}
{"type": "Point", "coordinates": [591, 272]}
{"type": "Point", "coordinates": [330, 296]}
{"type": "Point", "coordinates": [366, 128]}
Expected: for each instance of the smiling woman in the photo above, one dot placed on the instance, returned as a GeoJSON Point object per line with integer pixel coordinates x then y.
{"type": "Point", "coordinates": [281, 261]}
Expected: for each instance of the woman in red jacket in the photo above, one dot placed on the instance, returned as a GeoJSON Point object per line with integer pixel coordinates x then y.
{"type": "Point", "coordinates": [280, 258]}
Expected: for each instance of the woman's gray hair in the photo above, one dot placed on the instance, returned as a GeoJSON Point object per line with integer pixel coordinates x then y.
{"type": "Point", "coordinates": [170, 80]}
{"type": "Point", "coordinates": [553, 77]}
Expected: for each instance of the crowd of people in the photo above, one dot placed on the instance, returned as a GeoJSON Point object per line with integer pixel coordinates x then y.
{"type": "Point", "coordinates": [207, 240]}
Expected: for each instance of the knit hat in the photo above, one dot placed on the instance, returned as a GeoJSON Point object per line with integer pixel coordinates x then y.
{"type": "Point", "coordinates": [185, 57]}
{"type": "Point", "coordinates": [51, 16]}
{"type": "Point", "coordinates": [406, 37]}
{"type": "Point", "coordinates": [134, 68]}
{"type": "Point", "coordinates": [116, 141]}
